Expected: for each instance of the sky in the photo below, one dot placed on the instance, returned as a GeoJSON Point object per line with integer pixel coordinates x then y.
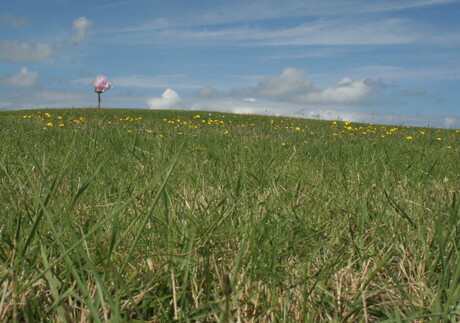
{"type": "Point", "coordinates": [387, 62]}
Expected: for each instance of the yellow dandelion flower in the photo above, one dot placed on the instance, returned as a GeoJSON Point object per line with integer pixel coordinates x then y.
{"type": "Point", "coordinates": [61, 125]}
{"type": "Point", "coordinates": [283, 144]}
{"type": "Point", "coordinates": [438, 139]}
{"type": "Point", "coordinates": [226, 132]}
{"type": "Point", "coordinates": [149, 131]}
{"type": "Point", "coordinates": [449, 147]}
{"type": "Point", "coordinates": [49, 124]}
{"type": "Point", "coordinates": [409, 138]}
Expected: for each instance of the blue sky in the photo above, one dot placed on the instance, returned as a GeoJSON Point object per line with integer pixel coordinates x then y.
{"type": "Point", "coordinates": [395, 62]}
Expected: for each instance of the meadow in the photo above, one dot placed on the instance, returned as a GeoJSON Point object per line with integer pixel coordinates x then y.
{"type": "Point", "coordinates": [160, 216]}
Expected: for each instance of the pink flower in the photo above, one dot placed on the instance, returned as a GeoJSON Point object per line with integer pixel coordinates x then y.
{"type": "Point", "coordinates": [101, 84]}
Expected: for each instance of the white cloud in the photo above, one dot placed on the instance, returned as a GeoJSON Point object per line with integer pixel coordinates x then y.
{"type": "Point", "coordinates": [168, 100]}
{"type": "Point", "coordinates": [23, 79]}
{"type": "Point", "coordinates": [16, 51]}
{"type": "Point", "coordinates": [223, 12]}
{"type": "Point", "coordinates": [81, 27]}
{"type": "Point", "coordinates": [13, 21]}
{"type": "Point", "coordinates": [293, 86]}
{"type": "Point", "coordinates": [345, 92]}
{"type": "Point", "coordinates": [320, 31]}
{"type": "Point", "coordinates": [446, 72]}
{"type": "Point", "coordinates": [206, 92]}
{"type": "Point", "coordinates": [292, 80]}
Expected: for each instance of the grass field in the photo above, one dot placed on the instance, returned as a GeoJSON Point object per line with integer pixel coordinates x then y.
{"type": "Point", "coordinates": [137, 215]}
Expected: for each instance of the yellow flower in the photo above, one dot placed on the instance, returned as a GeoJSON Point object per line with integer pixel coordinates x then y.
{"type": "Point", "coordinates": [49, 124]}
{"type": "Point", "coordinates": [283, 144]}
{"type": "Point", "coordinates": [226, 132]}
{"type": "Point", "coordinates": [409, 138]}
{"type": "Point", "coordinates": [61, 125]}
{"type": "Point", "coordinates": [438, 139]}
{"type": "Point", "coordinates": [449, 147]}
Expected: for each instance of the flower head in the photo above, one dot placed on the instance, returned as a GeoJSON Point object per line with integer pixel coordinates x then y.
{"type": "Point", "coordinates": [101, 84]}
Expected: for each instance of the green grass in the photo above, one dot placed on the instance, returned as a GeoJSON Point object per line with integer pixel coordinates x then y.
{"type": "Point", "coordinates": [136, 215]}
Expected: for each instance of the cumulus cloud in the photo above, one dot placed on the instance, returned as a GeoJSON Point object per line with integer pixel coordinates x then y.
{"type": "Point", "coordinates": [292, 80]}
{"type": "Point", "coordinates": [293, 86]}
{"type": "Point", "coordinates": [81, 27]}
{"type": "Point", "coordinates": [16, 51]}
{"type": "Point", "coordinates": [168, 100]}
{"type": "Point", "coordinates": [23, 79]}
{"type": "Point", "coordinates": [13, 21]}
{"type": "Point", "coordinates": [206, 92]}
{"type": "Point", "coordinates": [345, 92]}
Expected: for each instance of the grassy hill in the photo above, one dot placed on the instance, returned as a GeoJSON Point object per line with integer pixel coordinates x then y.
{"type": "Point", "coordinates": [205, 216]}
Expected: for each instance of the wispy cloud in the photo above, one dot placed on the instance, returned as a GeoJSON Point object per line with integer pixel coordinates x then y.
{"type": "Point", "coordinates": [25, 78]}
{"type": "Point", "coordinates": [13, 21]}
{"type": "Point", "coordinates": [329, 22]}
{"type": "Point", "coordinates": [389, 72]}
{"type": "Point", "coordinates": [81, 27]}
{"type": "Point", "coordinates": [316, 32]}
{"type": "Point", "coordinates": [17, 51]}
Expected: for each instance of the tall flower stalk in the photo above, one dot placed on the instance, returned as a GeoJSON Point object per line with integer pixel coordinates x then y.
{"type": "Point", "coordinates": [101, 84]}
